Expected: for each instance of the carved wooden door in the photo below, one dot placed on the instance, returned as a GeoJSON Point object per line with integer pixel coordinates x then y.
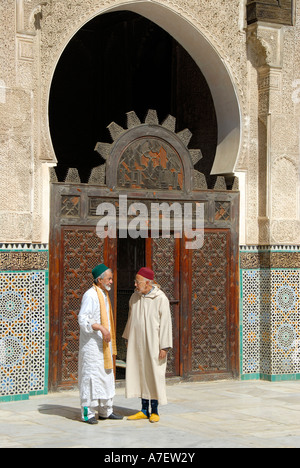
{"type": "Point", "coordinates": [78, 251]}
{"type": "Point", "coordinates": [201, 284]}
{"type": "Point", "coordinates": [212, 326]}
{"type": "Point", "coordinates": [209, 312]}
{"type": "Point", "coordinates": [82, 251]}
{"type": "Point", "coordinates": [163, 256]}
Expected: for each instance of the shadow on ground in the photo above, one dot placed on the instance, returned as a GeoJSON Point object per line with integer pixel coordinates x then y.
{"type": "Point", "coordinates": [74, 414]}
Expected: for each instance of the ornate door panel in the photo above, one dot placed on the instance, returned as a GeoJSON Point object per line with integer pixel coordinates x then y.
{"type": "Point", "coordinates": [163, 256]}
{"type": "Point", "coordinates": [82, 251]}
{"type": "Point", "coordinates": [210, 304]}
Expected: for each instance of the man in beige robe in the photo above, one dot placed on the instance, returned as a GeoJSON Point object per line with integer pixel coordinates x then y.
{"type": "Point", "coordinates": [149, 335]}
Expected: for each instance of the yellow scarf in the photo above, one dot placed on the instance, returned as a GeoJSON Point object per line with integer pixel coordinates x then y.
{"type": "Point", "coordinates": [108, 364]}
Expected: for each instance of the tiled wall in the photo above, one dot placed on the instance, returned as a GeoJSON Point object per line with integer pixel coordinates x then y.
{"type": "Point", "coordinates": [24, 323]}
{"type": "Point", "coordinates": [270, 313]}
{"type": "Point", "coordinates": [269, 317]}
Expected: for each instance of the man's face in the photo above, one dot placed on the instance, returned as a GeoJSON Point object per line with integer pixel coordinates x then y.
{"type": "Point", "coordinates": [142, 285]}
{"type": "Point", "coordinates": [106, 281]}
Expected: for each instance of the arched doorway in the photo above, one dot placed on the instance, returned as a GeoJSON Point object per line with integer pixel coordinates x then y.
{"type": "Point", "coordinates": [120, 62]}
{"type": "Point", "coordinates": [205, 325]}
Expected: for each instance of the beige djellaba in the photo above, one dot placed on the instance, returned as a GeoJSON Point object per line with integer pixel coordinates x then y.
{"type": "Point", "coordinates": [148, 330]}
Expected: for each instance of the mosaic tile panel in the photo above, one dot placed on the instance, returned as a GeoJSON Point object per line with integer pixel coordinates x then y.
{"type": "Point", "coordinates": [23, 333]}
{"type": "Point", "coordinates": [270, 322]}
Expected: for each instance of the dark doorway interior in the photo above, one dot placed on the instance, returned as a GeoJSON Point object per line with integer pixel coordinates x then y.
{"type": "Point", "coordinates": [131, 257]}
{"type": "Point", "coordinates": [120, 62]}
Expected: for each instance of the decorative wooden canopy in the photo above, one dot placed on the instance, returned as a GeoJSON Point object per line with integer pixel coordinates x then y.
{"type": "Point", "coordinates": [149, 156]}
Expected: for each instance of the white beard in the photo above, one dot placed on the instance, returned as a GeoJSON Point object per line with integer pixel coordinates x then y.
{"type": "Point", "coordinates": [108, 288]}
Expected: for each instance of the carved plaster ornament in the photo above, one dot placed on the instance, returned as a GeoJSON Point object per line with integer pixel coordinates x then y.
{"type": "Point", "coordinates": [30, 23]}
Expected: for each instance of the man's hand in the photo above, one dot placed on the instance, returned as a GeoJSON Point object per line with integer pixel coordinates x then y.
{"type": "Point", "coordinates": [105, 333]}
{"type": "Point", "coordinates": [163, 354]}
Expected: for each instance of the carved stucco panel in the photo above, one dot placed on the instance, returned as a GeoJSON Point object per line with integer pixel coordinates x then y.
{"type": "Point", "coordinates": [285, 232]}
{"type": "Point", "coordinates": [7, 48]}
{"type": "Point", "coordinates": [285, 203]}
{"type": "Point", "coordinates": [285, 134]}
{"type": "Point", "coordinates": [15, 110]}
{"type": "Point", "coordinates": [15, 180]}
{"type": "Point", "coordinates": [252, 234]}
{"type": "Point", "coordinates": [16, 227]}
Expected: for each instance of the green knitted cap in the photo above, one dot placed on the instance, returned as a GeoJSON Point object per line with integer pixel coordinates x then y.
{"type": "Point", "coordinates": [98, 270]}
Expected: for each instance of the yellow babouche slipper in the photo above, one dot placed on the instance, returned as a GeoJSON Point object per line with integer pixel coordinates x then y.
{"type": "Point", "coordinates": [137, 416]}
{"type": "Point", "coordinates": [154, 418]}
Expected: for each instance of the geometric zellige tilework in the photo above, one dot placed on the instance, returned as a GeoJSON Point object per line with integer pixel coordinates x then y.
{"type": "Point", "coordinates": [23, 332]}
{"type": "Point", "coordinates": [271, 321]}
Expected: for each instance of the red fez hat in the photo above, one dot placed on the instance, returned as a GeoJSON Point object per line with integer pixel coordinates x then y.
{"type": "Point", "coordinates": [146, 273]}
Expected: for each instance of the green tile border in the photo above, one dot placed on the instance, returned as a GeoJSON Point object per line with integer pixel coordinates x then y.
{"type": "Point", "coordinates": [8, 398]}
{"type": "Point", "coordinates": [270, 378]}
{"type": "Point", "coordinates": [241, 322]}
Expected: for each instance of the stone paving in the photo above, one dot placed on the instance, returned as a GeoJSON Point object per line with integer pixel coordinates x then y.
{"type": "Point", "coordinates": [223, 414]}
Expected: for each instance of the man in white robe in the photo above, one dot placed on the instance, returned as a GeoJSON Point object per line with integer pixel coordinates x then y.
{"type": "Point", "coordinates": [149, 335]}
{"type": "Point", "coordinates": [96, 380]}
